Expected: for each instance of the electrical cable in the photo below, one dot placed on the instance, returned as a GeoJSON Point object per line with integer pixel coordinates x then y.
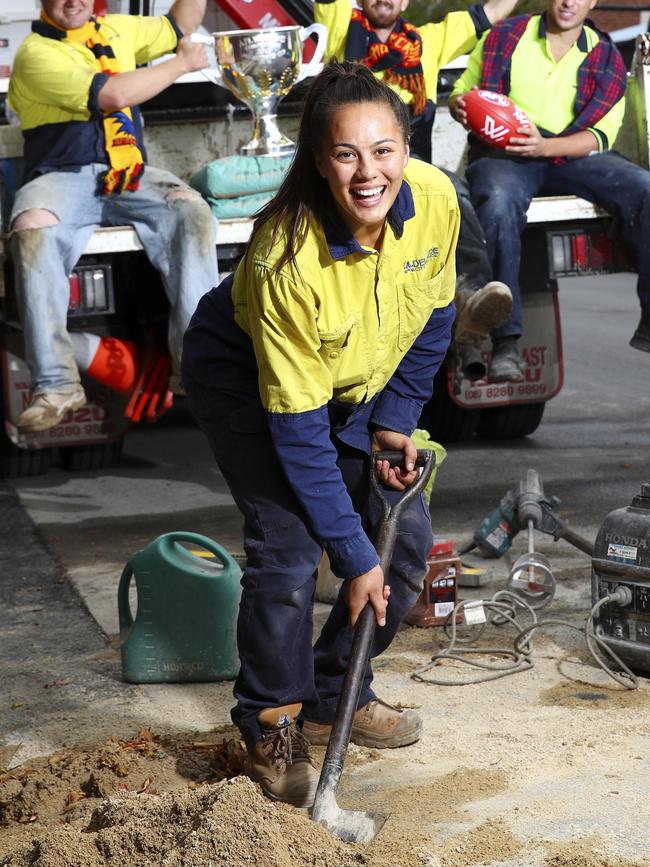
{"type": "Point", "coordinates": [590, 636]}
{"type": "Point", "coordinates": [503, 607]}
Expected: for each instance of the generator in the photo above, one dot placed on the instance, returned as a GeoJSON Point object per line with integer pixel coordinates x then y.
{"type": "Point", "coordinates": [622, 560]}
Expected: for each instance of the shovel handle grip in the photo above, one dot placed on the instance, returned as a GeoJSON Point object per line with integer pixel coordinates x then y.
{"type": "Point", "coordinates": [396, 457]}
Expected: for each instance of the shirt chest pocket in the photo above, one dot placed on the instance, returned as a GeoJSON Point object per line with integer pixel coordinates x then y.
{"type": "Point", "coordinates": [415, 303]}
{"type": "Point", "coordinates": [344, 353]}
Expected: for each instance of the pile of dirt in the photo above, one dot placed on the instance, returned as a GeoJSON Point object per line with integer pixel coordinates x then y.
{"type": "Point", "coordinates": [229, 823]}
{"type": "Point", "coordinates": [67, 786]}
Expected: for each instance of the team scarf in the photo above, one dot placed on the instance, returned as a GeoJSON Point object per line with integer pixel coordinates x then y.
{"type": "Point", "coordinates": [124, 156]}
{"type": "Point", "coordinates": [400, 57]}
{"type": "Point", "coordinates": [602, 76]}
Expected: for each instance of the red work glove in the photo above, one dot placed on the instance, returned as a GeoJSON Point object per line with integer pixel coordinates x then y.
{"type": "Point", "coordinates": [151, 396]}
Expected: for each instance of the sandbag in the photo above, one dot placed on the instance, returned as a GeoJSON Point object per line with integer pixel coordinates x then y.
{"type": "Point", "coordinates": [240, 207]}
{"type": "Point", "coordinates": [236, 176]}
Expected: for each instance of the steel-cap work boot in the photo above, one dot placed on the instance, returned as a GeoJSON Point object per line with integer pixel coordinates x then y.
{"type": "Point", "coordinates": [479, 313]}
{"type": "Point", "coordinates": [377, 725]}
{"type": "Point", "coordinates": [506, 364]}
{"type": "Point", "coordinates": [280, 761]}
{"type": "Point", "coordinates": [46, 409]}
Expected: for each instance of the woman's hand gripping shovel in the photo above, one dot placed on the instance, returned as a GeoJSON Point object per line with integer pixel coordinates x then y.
{"type": "Point", "coordinates": [357, 826]}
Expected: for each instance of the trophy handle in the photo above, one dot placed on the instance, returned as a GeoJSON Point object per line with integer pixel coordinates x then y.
{"type": "Point", "coordinates": [315, 64]}
{"type": "Point", "coordinates": [202, 39]}
{"type": "Point", "coordinates": [210, 74]}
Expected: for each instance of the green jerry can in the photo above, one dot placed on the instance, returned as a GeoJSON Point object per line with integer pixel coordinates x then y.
{"type": "Point", "coordinates": [184, 629]}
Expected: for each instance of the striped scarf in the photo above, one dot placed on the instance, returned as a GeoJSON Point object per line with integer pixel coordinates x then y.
{"type": "Point", "coordinates": [601, 76]}
{"type": "Point", "coordinates": [399, 57]}
{"type": "Point", "coordinates": [124, 156]}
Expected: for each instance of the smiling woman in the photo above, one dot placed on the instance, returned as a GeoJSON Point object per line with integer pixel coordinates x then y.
{"type": "Point", "coordinates": [320, 350]}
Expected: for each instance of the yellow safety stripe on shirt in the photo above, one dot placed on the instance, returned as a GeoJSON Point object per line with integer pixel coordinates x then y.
{"type": "Point", "coordinates": [542, 87]}
{"type": "Point", "coordinates": [50, 81]}
{"type": "Point", "coordinates": [441, 42]}
{"type": "Point", "coordinates": [342, 329]}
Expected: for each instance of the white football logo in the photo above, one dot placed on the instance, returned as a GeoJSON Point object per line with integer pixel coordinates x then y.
{"type": "Point", "coordinates": [494, 130]}
{"type": "Point", "coordinates": [521, 117]}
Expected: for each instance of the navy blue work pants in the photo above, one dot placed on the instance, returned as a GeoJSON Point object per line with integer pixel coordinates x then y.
{"type": "Point", "coordinates": [275, 626]}
{"type": "Point", "coordinates": [502, 188]}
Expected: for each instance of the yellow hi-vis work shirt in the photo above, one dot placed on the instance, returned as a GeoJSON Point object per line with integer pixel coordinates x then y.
{"type": "Point", "coordinates": [340, 327]}
{"type": "Point", "coordinates": [441, 42]}
{"type": "Point", "coordinates": [54, 88]}
{"type": "Point", "coordinates": [50, 81]}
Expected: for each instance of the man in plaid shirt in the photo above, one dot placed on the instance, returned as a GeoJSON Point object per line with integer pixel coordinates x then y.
{"type": "Point", "coordinates": [569, 79]}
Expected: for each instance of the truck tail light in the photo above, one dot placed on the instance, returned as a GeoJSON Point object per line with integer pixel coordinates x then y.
{"type": "Point", "coordinates": [75, 292]}
{"type": "Point", "coordinates": [584, 252]}
{"type": "Point", "coordinates": [91, 290]}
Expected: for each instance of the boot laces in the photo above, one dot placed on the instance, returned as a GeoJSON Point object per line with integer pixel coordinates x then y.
{"type": "Point", "coordinates": [285, 744]}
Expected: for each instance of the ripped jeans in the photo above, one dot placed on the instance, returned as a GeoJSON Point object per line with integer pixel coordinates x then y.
{"type": "Point", "coordinates": [176, 231]}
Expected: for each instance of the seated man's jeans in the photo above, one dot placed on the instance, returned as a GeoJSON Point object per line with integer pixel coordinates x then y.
{"type": "Point", "coordinates": [275, 625]}
{"type": "Point", "coordinates": [502, 188]}
{"type": "Point", "coordinates": [178, 235]}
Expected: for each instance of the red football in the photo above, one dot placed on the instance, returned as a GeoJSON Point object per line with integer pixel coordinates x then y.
{"type": "Point", "coordinates": [493, 117]}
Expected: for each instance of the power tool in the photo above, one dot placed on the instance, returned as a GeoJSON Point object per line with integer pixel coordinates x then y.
{"type": "Point", "coordinates": [523, 505]}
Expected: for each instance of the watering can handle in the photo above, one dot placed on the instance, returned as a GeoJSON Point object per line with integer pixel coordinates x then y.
{"type": "Point", "coordinates": [123, 607]}
{"type": "Point", "coordinates": [314, 65]}
{"type": "Point", "coordinates": [203, 542]}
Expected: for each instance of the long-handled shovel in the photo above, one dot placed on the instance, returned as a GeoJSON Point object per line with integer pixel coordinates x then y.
{"type": "Point", "coordinates": [357, 826]}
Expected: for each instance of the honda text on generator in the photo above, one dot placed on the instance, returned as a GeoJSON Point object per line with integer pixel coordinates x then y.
{"type": "Point", "coordinates": [118, 311]}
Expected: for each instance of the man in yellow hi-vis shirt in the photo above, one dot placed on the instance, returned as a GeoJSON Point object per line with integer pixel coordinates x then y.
{"type": "Point", "coordinates": [408, 59]}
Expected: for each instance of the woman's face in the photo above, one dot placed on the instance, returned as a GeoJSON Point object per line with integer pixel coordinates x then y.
{"type": "Point", "coordinates": [362, 158]}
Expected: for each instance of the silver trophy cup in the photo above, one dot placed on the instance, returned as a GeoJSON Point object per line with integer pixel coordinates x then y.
{"type": "Point", "coordinates": [260, 67]}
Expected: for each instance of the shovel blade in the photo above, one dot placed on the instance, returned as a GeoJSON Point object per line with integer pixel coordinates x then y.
{"type": "Point", "coordinates": [353, 826]}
